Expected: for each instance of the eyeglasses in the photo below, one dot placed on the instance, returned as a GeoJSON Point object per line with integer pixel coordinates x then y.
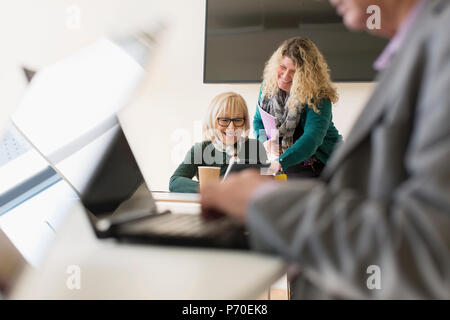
{"type": "Point", "coordinates": [225, 122]}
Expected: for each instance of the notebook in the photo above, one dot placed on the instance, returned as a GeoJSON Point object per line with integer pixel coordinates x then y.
{"type": "Point", "coordinates": [269, 122]}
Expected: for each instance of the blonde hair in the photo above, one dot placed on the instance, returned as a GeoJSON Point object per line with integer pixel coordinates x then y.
{"type": "Point", "coordinates": [311, 81]}
{"type": "Point", "coordinates": [230, 101]}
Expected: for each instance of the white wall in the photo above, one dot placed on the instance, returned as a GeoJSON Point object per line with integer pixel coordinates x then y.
{"type": "Point", "coordinates": [173, 98]}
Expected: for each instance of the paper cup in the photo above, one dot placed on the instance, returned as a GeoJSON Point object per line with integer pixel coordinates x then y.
{"type": "Point", "coordinates": [207, 175]}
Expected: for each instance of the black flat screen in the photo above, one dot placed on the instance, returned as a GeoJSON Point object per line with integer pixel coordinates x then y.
{"type": "Point", "coordinates": [241, 35]}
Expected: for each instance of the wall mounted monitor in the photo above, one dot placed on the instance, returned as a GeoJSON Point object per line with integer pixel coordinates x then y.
{"type": "Point", "coordinates": [241, 35]}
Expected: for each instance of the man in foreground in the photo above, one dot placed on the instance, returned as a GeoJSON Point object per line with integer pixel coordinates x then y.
{"type": "Point", "coordinates": [377, 223]}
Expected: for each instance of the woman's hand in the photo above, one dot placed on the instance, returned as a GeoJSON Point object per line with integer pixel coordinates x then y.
{"type": "Point", "coordinates": [275, 166]}
{"type": "Point", "coordinates": [272, 146]}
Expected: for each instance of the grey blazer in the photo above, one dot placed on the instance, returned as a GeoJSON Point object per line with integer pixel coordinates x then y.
{"type": "Point", "coordinates": [377, 223]}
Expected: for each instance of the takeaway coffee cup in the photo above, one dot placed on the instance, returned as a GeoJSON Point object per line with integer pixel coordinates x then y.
{"type": "Point", "coordinates": [206, 175]}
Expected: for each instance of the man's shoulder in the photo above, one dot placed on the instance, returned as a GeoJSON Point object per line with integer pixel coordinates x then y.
{"type": "Point", "coordinates": [442, 13]}
{"type": "Point", "coordinates": [441, 7]}
{"type": "Point", "coordinates": [436, 40]}
{"type": "Point", "coordinates": [438, 16]}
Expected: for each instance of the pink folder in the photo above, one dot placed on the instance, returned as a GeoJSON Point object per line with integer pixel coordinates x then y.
{"type": "Point", "coordinates": [268, 121]}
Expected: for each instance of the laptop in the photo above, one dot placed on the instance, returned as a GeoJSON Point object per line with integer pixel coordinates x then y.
{"type": "Point", "coordinates": [92, 154]}
{"type": "Point", "coordinates": [119, 205]}
{"type": "Point", "coordinates": [237, 166]}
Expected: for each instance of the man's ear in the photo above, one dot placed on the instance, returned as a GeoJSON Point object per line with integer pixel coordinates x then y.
{"type": "Point", "coordinates": [29, 74]}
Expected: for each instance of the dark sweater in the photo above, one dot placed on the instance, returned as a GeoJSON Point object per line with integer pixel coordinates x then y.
{"type": "Point", "coordinates": [204, 154]}
{"type": "Point", "coordinates": [315, 135]}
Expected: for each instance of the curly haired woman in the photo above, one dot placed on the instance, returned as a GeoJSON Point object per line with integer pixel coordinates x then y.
{"type": "Point", "coordinates": [297, 90]}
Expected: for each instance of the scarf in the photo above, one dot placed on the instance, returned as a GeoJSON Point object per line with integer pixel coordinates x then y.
{"type": "Point", "coordinates": [231, 150]}
{"type": "Point", "coordinates": [287, 119]}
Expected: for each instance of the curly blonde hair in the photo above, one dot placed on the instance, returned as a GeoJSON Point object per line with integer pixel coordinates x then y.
{"type": "Point", "coordinates": [311, 81]}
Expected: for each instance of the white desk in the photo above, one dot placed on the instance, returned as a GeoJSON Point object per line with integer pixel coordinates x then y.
{"type": "Point", "coordinates": [176, 197]}
{"type": "Point", "coordinates": [122, 271]}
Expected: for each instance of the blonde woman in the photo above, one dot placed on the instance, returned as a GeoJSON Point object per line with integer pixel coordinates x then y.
{"type": "Point", "coordinates": [297, 90]}
{"type": "Point", "coordinates": [225, 135]}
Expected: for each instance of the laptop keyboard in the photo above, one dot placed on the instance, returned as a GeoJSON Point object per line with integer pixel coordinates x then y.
{"type": "Point", "coordinates": [183, 225]}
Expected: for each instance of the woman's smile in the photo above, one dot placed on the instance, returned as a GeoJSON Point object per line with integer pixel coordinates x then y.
{"type": "Point", "coordinates": [285, 74]}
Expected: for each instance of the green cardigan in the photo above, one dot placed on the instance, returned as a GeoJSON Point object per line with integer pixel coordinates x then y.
{"type": "Point", "coordinates": [204, 154]}
{"type": "Point", "coordinates": [319, 137]}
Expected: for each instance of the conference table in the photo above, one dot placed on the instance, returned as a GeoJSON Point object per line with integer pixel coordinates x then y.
{"type": "Point", "coordinates": [80, 266]}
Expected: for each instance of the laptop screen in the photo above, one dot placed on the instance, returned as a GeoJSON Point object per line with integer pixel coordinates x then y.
{"type": "Point", "coordinates": [116, 189]}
